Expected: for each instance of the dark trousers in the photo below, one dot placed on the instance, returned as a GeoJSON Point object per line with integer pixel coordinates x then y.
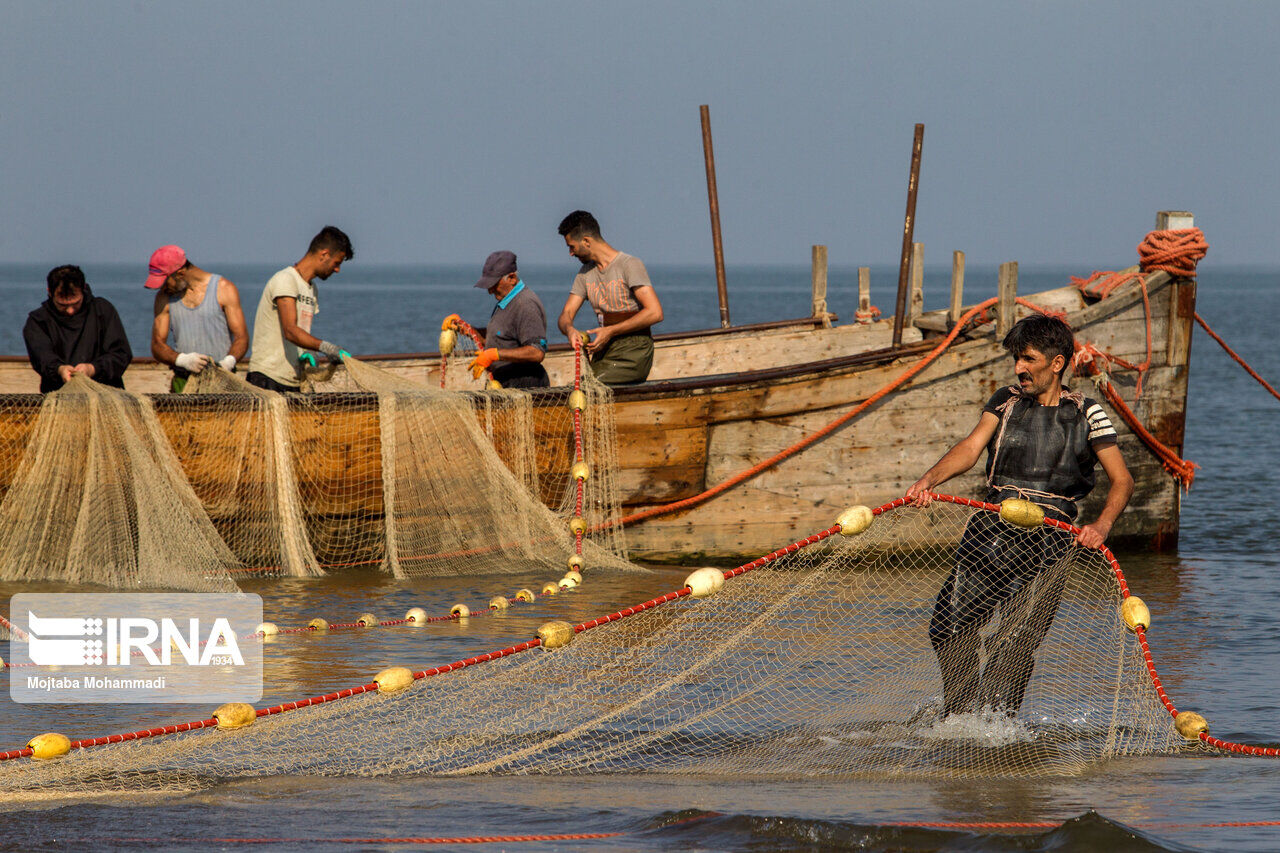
{"type": "Point", "coordinates": [1021, 574]}
{"type": "Point", "coordinates": [262, 380]}
{"type": "Point", "coordinates": [534, 376]}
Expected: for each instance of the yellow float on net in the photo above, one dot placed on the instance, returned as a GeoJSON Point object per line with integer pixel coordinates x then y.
{"type": "Point", "coordinates": [855, 520]}
{"type": "Point", "coordinates": [267, 629]}
{"type": "Point", "coordinates": [1190, 725]}
{"type": "Point", "coordinates": [570, 580]}
{"type": "Point", "coordinates": [368, 620]}
{"type": "Point", "coordinates": [494, 385]}
{"type": "Point", "coordinates": [416, 616]}
{"type": "Point", "coordinates": [555, 635]}
{"type": "Point", "coordinates": [49, 745]}
{"type": "Point", "coordinates": [576, 563]}
{"type": "Point", "coordinates": [1135, 614]}
{"type": "Point", "coordinates": [235, 715]}
{"type": "Point", "coordinates": [577, 525]}
{"type": "Point", "coordinates": [526, 595]}
{"type": "Point", "coordinates": [499, 602]}
{"type": "Point", "coordinates": [393, 679]}
{"type": "Point", "coordinates": [550, 588]}
{"type": "Point", "coordinates": [1021, 512]}
{"type": "Point", "coordinates": [462, 611]}
{"type": "Point", "coordinates": [705, 582]}
{"type": "Point", "coordinates": [580, 471]}
{"type": "Point", "coordinates": [318, 624]}
{"type": "Point", "coordinates": [577, 400]}
{"type": "Point", "coordinates": [448, 339]}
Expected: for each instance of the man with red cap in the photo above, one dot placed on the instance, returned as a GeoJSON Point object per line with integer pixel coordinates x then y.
{"type": "Point", "coordinates": [201, 309]}
{"type": "Point", "coordinates": [516, 338]}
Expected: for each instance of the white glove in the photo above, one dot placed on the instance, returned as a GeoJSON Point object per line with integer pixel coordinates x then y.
{"type": "Point", "coordinates": [332, 351]}
{"type": "Point", "coordinates": [228, 363]}
{"type": "Point", "coordinates": [192, 362]}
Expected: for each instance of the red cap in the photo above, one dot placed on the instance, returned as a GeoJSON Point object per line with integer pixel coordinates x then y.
{"type": "Point", "coordinates": [165, 261]}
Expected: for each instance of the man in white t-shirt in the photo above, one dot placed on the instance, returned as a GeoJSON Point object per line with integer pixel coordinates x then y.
{"type": "Point", "coordinates": [282, 326]}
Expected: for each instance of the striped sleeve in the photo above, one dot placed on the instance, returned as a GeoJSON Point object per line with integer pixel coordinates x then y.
{"type": "Point", "coordinates": [1100, 429]}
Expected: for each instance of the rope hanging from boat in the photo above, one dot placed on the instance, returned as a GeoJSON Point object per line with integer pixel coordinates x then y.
{"type": "Point", "coordinates": [1236, 357]}
{"type": "Point", "coordinates": [814, 437]}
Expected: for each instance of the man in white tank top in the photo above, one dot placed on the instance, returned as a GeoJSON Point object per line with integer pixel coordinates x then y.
{"type": "Point", "coordinates": [202, 311]}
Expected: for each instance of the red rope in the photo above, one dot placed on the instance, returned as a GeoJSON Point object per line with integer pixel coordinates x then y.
{"type": "Point", "coordinates": [1228, 746]}
{"type": "Point", "coordinates": [439, 670]}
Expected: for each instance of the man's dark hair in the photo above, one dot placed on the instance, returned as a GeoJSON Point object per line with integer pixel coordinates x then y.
{"type": "Point", "coordinates": [1049, 335]}
{"type": "Point", "coordinates": [65, 280]}
{"type": "Point", "coordinates": [334, 240]}
{"type": "Point", "coordinates": [579, 224]}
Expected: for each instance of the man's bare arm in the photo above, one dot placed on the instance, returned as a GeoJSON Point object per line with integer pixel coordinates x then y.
{"type": "Point", "coordinates": [650, 314]}
{"type": "Point", "coordinates": [229, 299]}
{"type": "Point", "coordinates": [287, 308]}
{"type": "Point", "coordinates": [571, 306]}
{"type": "Point", "coordinates": [160, 349]}
{"type": "Point", "coordinates": [1121, 489]}
{"type": "Point", "coordinates": [955, 461]}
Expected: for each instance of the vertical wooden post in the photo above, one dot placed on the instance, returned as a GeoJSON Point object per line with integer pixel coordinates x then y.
{"type": "Point", "coordinates": [915, 304]}
{"type": "Point", "coordinates": [1183, 293]}
{"type": "Point", "coordinates": [957, 288]}
{"type": "Point", "coordinates": [1007, 291]}
{"type": "Point", "coordinates": [820, 286]}
{"type": "Point", "coordinates": [713, 199]}
{"type": "Point", "coordinates": [864, 295]}
{"type": "Point", "coordinates": [908, 229]}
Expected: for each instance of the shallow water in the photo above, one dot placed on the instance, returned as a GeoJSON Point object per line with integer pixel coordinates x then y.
{"type": "Point", "coordinates": [1215, 637]}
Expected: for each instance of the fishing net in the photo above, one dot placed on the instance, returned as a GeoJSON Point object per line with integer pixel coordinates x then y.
{"type": "Point", "coordinates": [99, 497]}
{"type": "Point", "coordinates": [460, 475]}
{"type": "Point", "coordinates": [817, 661]}
{"type": "Point", "coordinates": [236, 448]}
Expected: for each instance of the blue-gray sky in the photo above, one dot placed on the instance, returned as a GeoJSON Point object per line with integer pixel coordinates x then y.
{"type": "Point", "coordinates": [435, 132]}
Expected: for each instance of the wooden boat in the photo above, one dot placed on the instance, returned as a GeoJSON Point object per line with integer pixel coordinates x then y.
{"type": "Point", "coordinates": [685, 431]}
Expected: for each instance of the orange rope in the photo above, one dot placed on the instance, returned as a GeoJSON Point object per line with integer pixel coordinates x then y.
{"type": "Point", "coordinates": [1176, 252]}
{"type": "Point", "coordinates": [1240, 361]}
{"type": "Point", "coordinates": [817, 436]}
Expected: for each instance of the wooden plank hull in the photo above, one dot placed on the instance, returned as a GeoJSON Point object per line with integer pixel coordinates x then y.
{"type": "Point", "coordinates": [683, 433]}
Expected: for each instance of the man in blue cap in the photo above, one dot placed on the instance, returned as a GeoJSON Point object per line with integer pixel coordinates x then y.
{"type": "Point", "coordinates": [516, 338]}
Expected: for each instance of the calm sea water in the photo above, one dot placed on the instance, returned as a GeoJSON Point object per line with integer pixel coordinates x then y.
{"type": "Point", "coordinates": [1216, 632]}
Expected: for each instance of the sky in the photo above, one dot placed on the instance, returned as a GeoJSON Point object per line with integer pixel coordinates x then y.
{"type": "Point", "coordinates": [436, 132]}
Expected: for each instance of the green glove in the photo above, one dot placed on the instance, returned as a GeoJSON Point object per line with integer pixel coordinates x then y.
{"type": "Point", "coordinates": [306, 359]}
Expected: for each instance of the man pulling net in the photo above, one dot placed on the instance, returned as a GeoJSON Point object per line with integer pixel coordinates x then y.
{"type": "Point", "coordinates": [1043, 442]}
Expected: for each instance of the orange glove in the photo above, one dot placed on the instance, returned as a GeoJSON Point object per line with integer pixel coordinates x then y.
{"type": "Point", "coordinates": [481, 362]}
{"type": "Point", "coordinates": [450, 322]}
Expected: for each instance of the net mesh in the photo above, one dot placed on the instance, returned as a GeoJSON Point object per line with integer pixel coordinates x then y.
{"type": "Point", "coordinates": [460, 477]}
{"type": "Point", "coordinates": [99, 497]}
{"type": "Point", "coordinates": [236, 449]}
{"type": "Point", "coordinates": [824, 662]}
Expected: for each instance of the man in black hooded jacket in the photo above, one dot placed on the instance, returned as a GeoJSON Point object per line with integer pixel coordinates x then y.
{"type": "Point", "coordinates": [75, 332]}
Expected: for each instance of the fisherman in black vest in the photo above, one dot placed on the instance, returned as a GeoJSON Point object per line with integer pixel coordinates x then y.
{"type": "Point", "coordinates": [75, 332]}
{"type": "Point", "coordinates": [1042, 441]}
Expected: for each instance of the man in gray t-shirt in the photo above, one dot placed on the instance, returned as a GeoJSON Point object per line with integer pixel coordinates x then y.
{"type": "Point", "coordinates": [516, 338]}
{"type": "Point", "coordinates": [618, 288]}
